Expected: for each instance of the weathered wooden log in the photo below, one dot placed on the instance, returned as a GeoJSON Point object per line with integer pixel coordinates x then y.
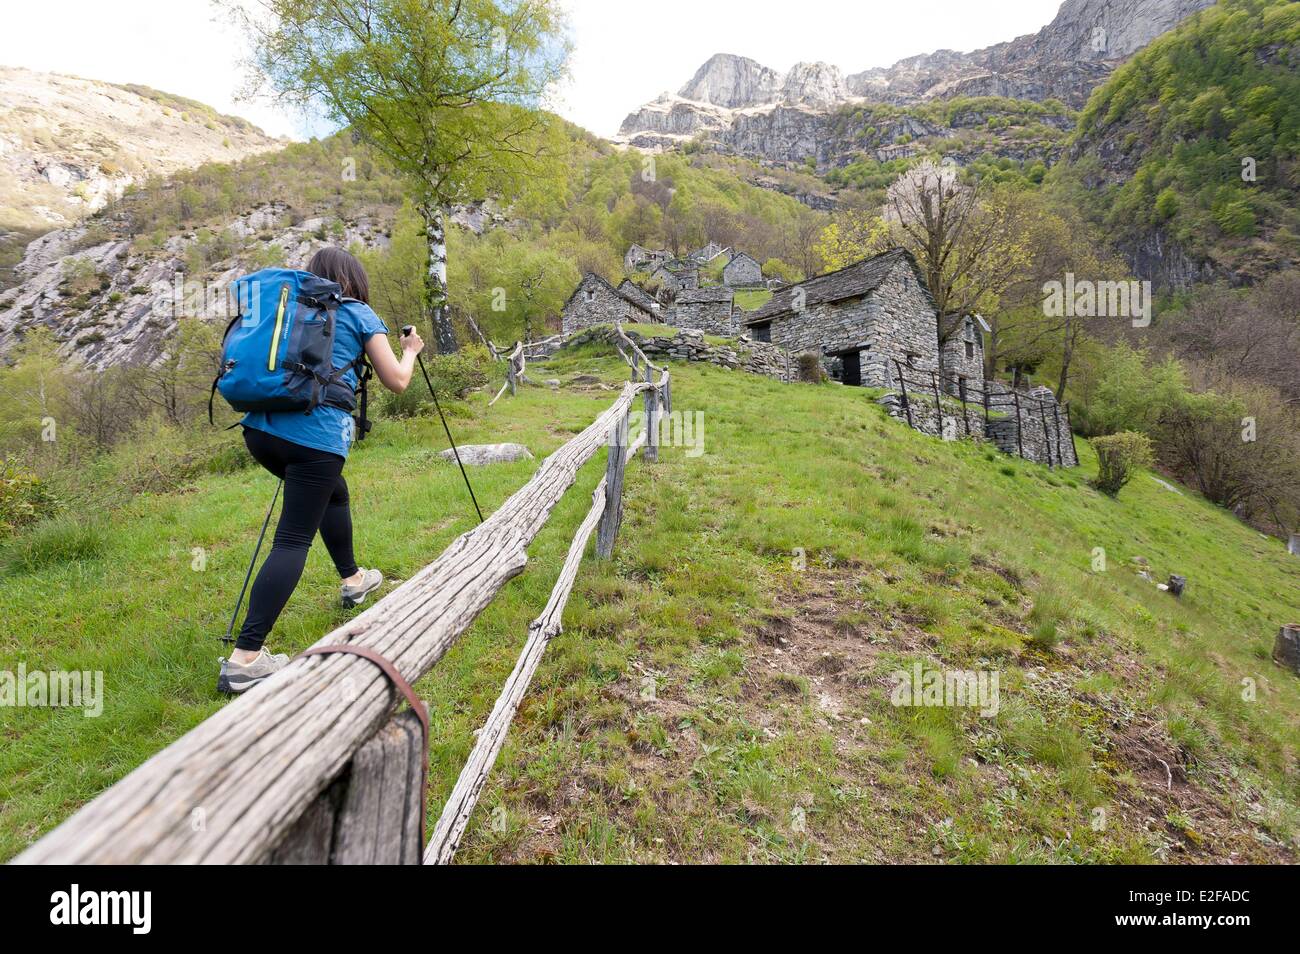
{"type": "Point", "coordinates": [636, 351]}
{"type": "Point", "coordinates": [460, 804]}
{"type": "Point", "coordinates": [254, 767]}
{"type": "Point", "coordinates": [515, 353]}
{"type": "Point", "coordinates": [371, 814]}
{"type": "Point", "coordinates": [615, 464]}
{"type": "Point", "coordinates": [651, 419]}
{"type": "Point", "coordinates": [464, 796]}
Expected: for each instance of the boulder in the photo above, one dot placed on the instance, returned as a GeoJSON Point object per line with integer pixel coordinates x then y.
{"type": "Point", "coordinates": [473, 455]}
{"type": "Point", "coordinates": [1286, 649]}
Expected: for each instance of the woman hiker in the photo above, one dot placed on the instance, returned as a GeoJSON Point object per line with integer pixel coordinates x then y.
{"type": "Point", "coordinates": [308, 451]}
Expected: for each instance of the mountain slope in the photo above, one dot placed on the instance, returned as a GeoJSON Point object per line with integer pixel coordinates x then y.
{"type": "Point", "coordinates": [1064, 61]}
{"type": "Point", "coordinates": [722, 688]}
{"type": "Point", "coordinates": [69, 145]}
{"type": "Point", "coordinates": [1188, 154]}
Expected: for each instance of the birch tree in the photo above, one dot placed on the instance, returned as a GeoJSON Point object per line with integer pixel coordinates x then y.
{"type": "Point", "coordinates": [449, 91]}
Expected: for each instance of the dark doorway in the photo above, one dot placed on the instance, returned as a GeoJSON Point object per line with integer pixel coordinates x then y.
{"type": "Point", "coordinates": [851, 375]}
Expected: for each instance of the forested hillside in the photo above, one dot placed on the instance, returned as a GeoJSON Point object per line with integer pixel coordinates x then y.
{"type": "Point", "coordinates": [1187, 155]}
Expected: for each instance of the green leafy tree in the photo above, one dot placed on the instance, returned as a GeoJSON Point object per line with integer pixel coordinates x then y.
{"type": "Point", "coordinates": [447, 90]}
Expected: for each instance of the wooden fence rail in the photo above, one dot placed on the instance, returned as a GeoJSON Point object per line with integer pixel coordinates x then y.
{"type": "Point", "coordinates": [312, 765]}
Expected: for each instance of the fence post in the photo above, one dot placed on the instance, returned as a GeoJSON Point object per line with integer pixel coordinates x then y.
{"type": "Point", "coordinates": [1047, 436]}
{"type": "Point", "coordinates": [651, 418]}
{"type": "Point", "coordinates": [985, 389]}
{"type": "Point", "coordinates": [902, 387]}
{"type": "Point", "coordinates": [372, 813]}
{"type": "Point", "coordinates": [614, 467]}
{"type": "Point", "coordinates": [965, 417]}
{"type": "Point", "coordinates": [1056, 422]}
{"type": "Point", "coordinates": [1074, 448]}
{"type": "Point", "coordinates": [1020, 440]}
{"type": "Point", "coordinates": [938, 405]}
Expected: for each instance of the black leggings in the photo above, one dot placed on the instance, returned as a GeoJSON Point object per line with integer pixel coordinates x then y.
{"type": "Point", "coordinates": [315, 498]}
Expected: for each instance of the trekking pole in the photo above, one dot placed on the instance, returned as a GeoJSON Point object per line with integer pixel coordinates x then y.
{"type": "Point", "coordinates": [406, 330]}
{"type": "Point", "coordinates": [249, 575]}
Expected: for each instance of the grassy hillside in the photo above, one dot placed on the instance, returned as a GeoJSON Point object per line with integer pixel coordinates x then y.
{"type": "Point", "coordinates": [721, 692]}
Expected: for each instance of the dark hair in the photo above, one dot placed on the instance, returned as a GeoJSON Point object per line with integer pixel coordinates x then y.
{"type": "Point", "coordinates": [342, 267]}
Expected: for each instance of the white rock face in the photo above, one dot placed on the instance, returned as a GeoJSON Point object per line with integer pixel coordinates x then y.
{"type": "Point", "coordinates": [732, 82]}
{"type": "Point", "coordinates": [814, 84]}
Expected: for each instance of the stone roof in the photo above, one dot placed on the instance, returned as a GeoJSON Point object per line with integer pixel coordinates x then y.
{"type": "Point", "coordinates": [630, 289]}
{"type": "Point", "coordinates": [593, 277]}
{"type": "Point", "coordinates": [852, 281]}
{"type": "Point", "coordinates": [692, 296]}
{"type": "Point", "coordinates": [707, 252]}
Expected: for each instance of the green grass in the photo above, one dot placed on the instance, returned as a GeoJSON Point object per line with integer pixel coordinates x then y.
{"type": "Point", "coordinates": [753, 299]}
{"type": "Point", "coordinates": [721, 690]}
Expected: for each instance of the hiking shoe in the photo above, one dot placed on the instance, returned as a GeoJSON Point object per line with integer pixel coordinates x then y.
{"type": "Point", "coordinates": [236, 678]}
{"type": "Point", "coordinates": [356, 594]}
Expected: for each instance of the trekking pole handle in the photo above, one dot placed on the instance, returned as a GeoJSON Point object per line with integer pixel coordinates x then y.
{"type": "Point", "coordinates": [407, 329]}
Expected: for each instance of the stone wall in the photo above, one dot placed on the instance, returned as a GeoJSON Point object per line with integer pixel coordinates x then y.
{"type": "Point", "coordinates": [1040, 432]}
{"type": "Point", "coordinates": [738, 354]}
{"type": "Point", "coordinates": [701, 311]}
{"type": "Point", "coordinates": [927, 419]}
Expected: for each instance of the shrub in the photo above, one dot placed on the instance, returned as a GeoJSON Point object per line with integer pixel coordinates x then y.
{"type": "Point", "coordinates": [1118, 457]}
{"type": "Point", "coordinates": [458, 373]}
{"type": "Point", "coordinates": [453, 376]}
{"type": "Point", "coordinates": [24, 498]}
{"type": "Point", "coordinates": [810, 368]}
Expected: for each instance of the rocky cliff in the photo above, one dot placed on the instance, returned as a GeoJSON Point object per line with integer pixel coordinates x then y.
{"type": "Point", "coordinates": [109, 301]}
{"type": "Point", "coordinates": [741, 104]}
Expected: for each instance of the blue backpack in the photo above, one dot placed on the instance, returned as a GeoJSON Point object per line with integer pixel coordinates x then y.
{"type": "Point", "coordinates": [277, 352]}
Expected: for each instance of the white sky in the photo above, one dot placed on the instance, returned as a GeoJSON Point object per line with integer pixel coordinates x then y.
{"type": "Point", "coordinates": [625, 53]}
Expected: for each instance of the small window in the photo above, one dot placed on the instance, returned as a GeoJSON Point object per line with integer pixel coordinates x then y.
{"type": "Point", "coordinates": [591, 294]}
{"type": "Point", "coordinates": [970, 351]}
{"type": "Point", "coordinates": [763, 332]}
{"type": "Point", "coordinates": [911, 359]}
{"type": "Point", "coordinates": [961, 387]}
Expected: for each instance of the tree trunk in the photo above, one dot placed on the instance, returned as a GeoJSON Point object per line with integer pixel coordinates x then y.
{"type": "Point", "coordinates": [1067, 354]}
{"type": "Point", "coordinates": [435, 279]}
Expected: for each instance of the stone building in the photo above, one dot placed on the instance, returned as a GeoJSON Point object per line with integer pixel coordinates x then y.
{"type": "Point", "coordinates": [710, 310]}
{"type": "Point", "coordinates": [860, 319]}
{"type": "Point", "coordinates": [706, 253]}
{"type": "Point", "coordinates": [676, 275]}
{"type": "Point", "coordinates": [963, 359]}
{"type": "Point", "coordinates": [637, 258]}
{"type": "Point", "coordinates": [595, 302]}
{"type": "Point", "coordinates": [742, 271]}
